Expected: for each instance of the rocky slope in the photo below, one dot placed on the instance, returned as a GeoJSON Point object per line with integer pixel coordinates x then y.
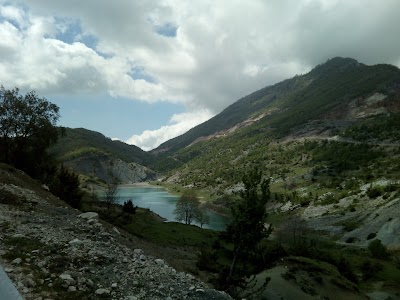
{"type": "Point", "coordinates": [108, 168]}
{"type": "Point", "coordinates": [51, 251]}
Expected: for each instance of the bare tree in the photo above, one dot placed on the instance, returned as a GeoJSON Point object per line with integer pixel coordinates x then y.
{"type": "Point", "coordinates": [111, 196]}
{"type": "Point", "coordinates": [202, 217]}
{"type": "Point", "coordinates": [187, 208]}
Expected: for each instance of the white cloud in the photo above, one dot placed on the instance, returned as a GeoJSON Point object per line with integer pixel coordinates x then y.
{"type": "Point", "coordinates": [180, 123]}
{"type": "Point", "coordinates": [222, 50]}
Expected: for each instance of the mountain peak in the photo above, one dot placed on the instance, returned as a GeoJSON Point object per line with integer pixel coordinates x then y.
{"type": "Point", "coordinates": [336, 64]}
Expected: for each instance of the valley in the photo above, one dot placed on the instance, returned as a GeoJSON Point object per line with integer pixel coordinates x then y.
{"type": "Point", "coordinates": [327, 142]}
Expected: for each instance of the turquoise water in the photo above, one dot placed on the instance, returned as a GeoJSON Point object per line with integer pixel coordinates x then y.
{"type": "Point", "coordinates": [161, 202]}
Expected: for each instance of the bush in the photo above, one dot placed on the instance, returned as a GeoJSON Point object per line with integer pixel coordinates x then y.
{"type": "Point", "coordinates": [378, 250]}
{"type": "Point", "coordinates": [128, 207]}
{"type": "Point", "coordinates": [374, 192]}
{"type": "Point", "coordinates": [65, 185]}
{"type": "Point", "coordinates": [369, 269]}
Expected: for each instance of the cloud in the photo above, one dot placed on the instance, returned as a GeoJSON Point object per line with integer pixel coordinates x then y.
{"type": "Point", "coordinates": [203, 54]}
{"type": "Point", "coordinates": [180, 123]}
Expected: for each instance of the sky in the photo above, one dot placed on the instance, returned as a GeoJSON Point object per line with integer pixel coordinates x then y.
{"type": "Point", "coordinates": [145, 71]}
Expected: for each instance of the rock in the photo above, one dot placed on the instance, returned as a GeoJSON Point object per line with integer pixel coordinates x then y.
{"type": "Point", "coordinates": [192, 287]}
{"type": "Point", "coordinates": [114, 285]}
{"type": "Point", "coordinates": [29, 282]}
{"type": "Point", "coordinates": [71, 288]}
{"type": "Point", "coordinates": [16, 261]}
{"type": "Point", "coordinates": [142, 257]}
{"type": "Point", "coordinates": [9, 270]}
{"type": "Point", "coordinates": [89, 215]}
{"type": "Point", "coordinates": [138, 251]}
{"type": "Point", "coordinates": [116, 230]}
{"type": "Point", "coordinates": [18, 235]}
{"type": "Point", "coordinates": [75, 242]}
{"type": "Point", "coordinates": [41, 263]}
{"type": "Point", "coordinates": [159, 262]}
{"type": "Point", "coordinates": [67, 279]}
{"type": "Point", "coordinates": [102, 292]}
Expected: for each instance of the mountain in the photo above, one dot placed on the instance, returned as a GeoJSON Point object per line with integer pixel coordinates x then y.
{"type": "Point", "coordinates": [329, 141]}
{"type": "Point", "coordinates": [323, 94]}
{"type": "Point", "coordinates": [93, 154]}
{"type": "Point", "coordinates": [340, 119]}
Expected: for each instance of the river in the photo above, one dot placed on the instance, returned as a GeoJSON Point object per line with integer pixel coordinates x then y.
{"type": "Point", "coordinates": [163, 203]}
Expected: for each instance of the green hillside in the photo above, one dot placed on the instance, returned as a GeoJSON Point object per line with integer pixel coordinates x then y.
{"type": "Point", "coordinates": [293, 103]}
{"type": "Point", "coordinates": [319, 130]}
{"type": "Point", "coordinates": [79, 142]}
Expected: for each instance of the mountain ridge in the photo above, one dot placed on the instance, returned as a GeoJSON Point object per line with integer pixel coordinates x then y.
{"type": "Point", "coordinates": [286, 98]}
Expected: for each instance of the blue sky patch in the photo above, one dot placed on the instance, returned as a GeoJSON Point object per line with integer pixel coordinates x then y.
{"type": "Point", "coordinates": [168, 30]}
{"type": "Point", "coordinates": [139, 73]}
{"type": "Point", "coordinates": [73, 33]}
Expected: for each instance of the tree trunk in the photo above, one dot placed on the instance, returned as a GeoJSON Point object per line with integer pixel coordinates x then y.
{"type": "Point", "coordinates": [232, 267]}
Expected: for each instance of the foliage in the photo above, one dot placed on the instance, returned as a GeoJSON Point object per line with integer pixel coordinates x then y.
{"type": "Point", "coordinates": [79, 142]}
{"type": "Point", "coordinates": [188, 210]}
{"type": "Point", "coordinates": [128, 207]}
{"type": "Point", "coordinates": [27, 129]}
{"type": "Point", "coordinates": [377, 249]}
{"type": "Point", "coordinates": [374, 192]}
{"type": "Point", "coordinates": [294, 102]}
{"type": "Point", "coordinates": [147, 226]}
{"type": "Point", "coordinates": [202, 218]}
{"type": "Point", "coordinates": [246, 230]}
{"type": "Point", "coordinates": [65, 185]}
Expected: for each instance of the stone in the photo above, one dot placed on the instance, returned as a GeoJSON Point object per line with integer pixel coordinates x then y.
{"type": "Point", "coordinates": [67, 279]}
{"type": "Point", "coordinates": [89, 215]}
{"type": "Point", "coordinates": [138, 251]}
{"type": "Point", "coordinates": [142, 257]}
{"type": "Point", "coordinates": [102, 292]}
{"type": "Point", "coordinates": [71, 288]}
{"type": "Point", "coordinates": [159, 262]}
{"type": "Point", "coordinates": [9, 270]}
{"type": "Point", "coordinates": [41, 263]}
{"type": "Point", "coordinates": [116, 230]}
{"type": "Point", "coordinates": [16, 261]}
{"type": "Point", "coordinates": [29, 282]}
{"type": "Point", "coordinates": [75, 242]}
{"type": "Point", "coordinates": [114, 285]}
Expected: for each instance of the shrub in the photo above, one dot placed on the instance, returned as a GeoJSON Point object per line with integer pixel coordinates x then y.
{"type": "Point", "coordinates": [369, 269]}
{"type": "Point", "coordinates": [65, 185]}
{"type": "Point", "coordinates": [378, 250]}
{"type": "Point", "coordinates": [374, 192]}
{"type": "Point", "coordinates": [128, 207]}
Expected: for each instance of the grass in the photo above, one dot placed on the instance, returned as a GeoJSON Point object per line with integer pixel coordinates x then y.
{"type": "Point", "coordinates": [20, 246]}
{"type": "Point", "coordinates": [144, 225]}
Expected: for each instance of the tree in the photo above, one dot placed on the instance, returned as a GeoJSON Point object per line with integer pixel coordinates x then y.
{"type": "Point", "coordinates": [246, 230]}
{"type": "Point", "coordinates": [65, 185]}
{"type": "Point", "coordinates": [187, 208]}
{"type": "Point", "coordinates": [129, 208]}
{"type": "Point", "coordinates": [27, 129]}
{"type": "Point", "coordinates": [377, 249]}
{"type": "Point", "coordinates": [202, 218]}
{"type": "Point", "coordinates": [111, 194]}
